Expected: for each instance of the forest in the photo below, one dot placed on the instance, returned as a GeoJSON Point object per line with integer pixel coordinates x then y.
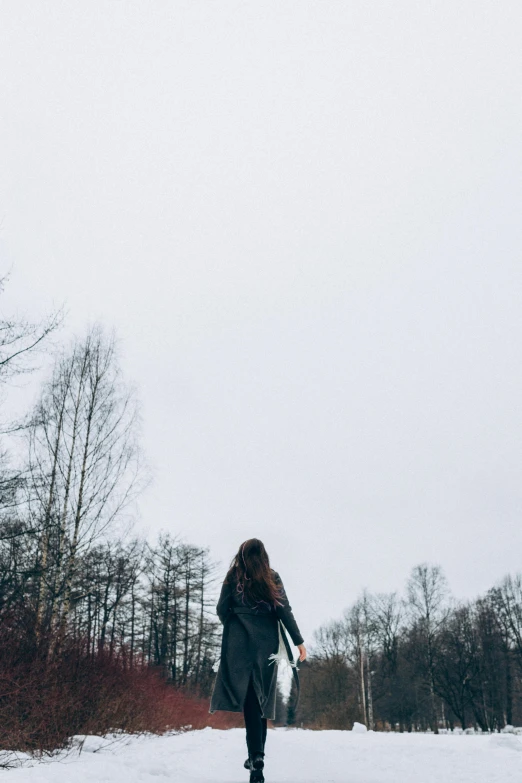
{"type": "Point", "coordinates": [418, 662]}
{"type": "Point", "coordinates": [103, 630]}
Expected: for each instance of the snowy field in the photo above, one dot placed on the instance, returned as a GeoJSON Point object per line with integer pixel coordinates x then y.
{"type": "Point", "coordinates": [296, 756]}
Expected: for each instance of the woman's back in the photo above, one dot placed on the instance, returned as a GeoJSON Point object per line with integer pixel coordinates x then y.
{"type": "Point", "coordinates": [254, 609]}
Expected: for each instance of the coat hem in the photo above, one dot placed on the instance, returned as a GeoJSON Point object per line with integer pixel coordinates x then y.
{"type": "Point", "coordinates": [240, 709]}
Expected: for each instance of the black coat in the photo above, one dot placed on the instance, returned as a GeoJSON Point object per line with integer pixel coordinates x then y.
{"type": "Point", "coordinates": [250, 636]}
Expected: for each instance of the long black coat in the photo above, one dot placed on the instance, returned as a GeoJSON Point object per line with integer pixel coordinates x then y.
{"type": "Point", "coordinates": [250, 636]}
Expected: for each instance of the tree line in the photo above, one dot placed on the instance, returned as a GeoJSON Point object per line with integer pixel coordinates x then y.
{"type": "Point", "coordinates": [418, 662]}
{"type": "Point", "coordinates": [78, 592]}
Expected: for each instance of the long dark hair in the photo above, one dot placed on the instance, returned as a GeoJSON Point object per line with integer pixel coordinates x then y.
{"type": "Point", "coordinates": [251, 573]}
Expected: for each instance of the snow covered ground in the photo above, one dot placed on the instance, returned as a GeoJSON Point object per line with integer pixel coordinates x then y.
{"type": "Point", "coordinates": [294, 756]}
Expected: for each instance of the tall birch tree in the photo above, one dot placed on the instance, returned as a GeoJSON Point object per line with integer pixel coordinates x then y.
{"type": "Point", "coordinates": [85, 465]}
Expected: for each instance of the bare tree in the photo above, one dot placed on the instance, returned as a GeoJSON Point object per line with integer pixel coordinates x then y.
{"type": "Point", "coordinates": [508, 601]}
{"type": "Point", "coordinates": [387, 612]}
{"type": "Point", "coordinates": [21, 339]}
{"type": "Point", "coordinates": [20, 342]}
{"type": "Point", "coordinates": [428, 596]}
{"type": "Point", "coordinates": [351, 642]}
{"type": "Point", "coordinates": [84, 462]}
{"type": "Point", "coordinates": [182, 637]}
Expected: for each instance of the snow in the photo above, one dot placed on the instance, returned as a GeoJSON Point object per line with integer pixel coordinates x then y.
{"type": "Point", "coordinates": [292, 755]}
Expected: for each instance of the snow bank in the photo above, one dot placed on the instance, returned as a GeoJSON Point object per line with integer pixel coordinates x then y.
{"type": "Point", "coordinates": [308, 756]}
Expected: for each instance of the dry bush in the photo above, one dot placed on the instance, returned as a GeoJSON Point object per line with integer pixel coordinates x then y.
{"type": "Point", "coordinates": [44, 701]}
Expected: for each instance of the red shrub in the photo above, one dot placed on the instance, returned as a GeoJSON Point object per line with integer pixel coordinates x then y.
{"type": "Point", "coordinates": [44, 701]}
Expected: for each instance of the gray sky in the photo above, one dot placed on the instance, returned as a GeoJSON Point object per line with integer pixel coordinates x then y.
{"type": "Point", "coordinates": [303, 219]}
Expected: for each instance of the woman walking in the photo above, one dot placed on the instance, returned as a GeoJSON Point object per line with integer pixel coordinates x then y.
{"type": "Point", "coordinates": [254, 610]}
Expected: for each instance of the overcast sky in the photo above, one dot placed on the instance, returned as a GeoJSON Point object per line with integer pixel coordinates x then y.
{"type": "Point", "coordinates": [303, 220]}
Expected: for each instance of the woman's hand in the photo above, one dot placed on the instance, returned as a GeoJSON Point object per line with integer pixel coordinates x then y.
{"type": "Point", "coordinates": [302, 652]}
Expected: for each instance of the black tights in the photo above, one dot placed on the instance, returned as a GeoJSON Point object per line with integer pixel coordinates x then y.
{"type": "Point", "coordinates": [255, 725]}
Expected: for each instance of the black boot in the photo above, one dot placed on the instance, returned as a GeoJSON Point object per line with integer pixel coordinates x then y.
{"type": "Point", "coordinates": [258, 762]}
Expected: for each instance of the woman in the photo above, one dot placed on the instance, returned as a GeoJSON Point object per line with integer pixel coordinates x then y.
{"type": "Point", "coordinates": [253, 608]}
